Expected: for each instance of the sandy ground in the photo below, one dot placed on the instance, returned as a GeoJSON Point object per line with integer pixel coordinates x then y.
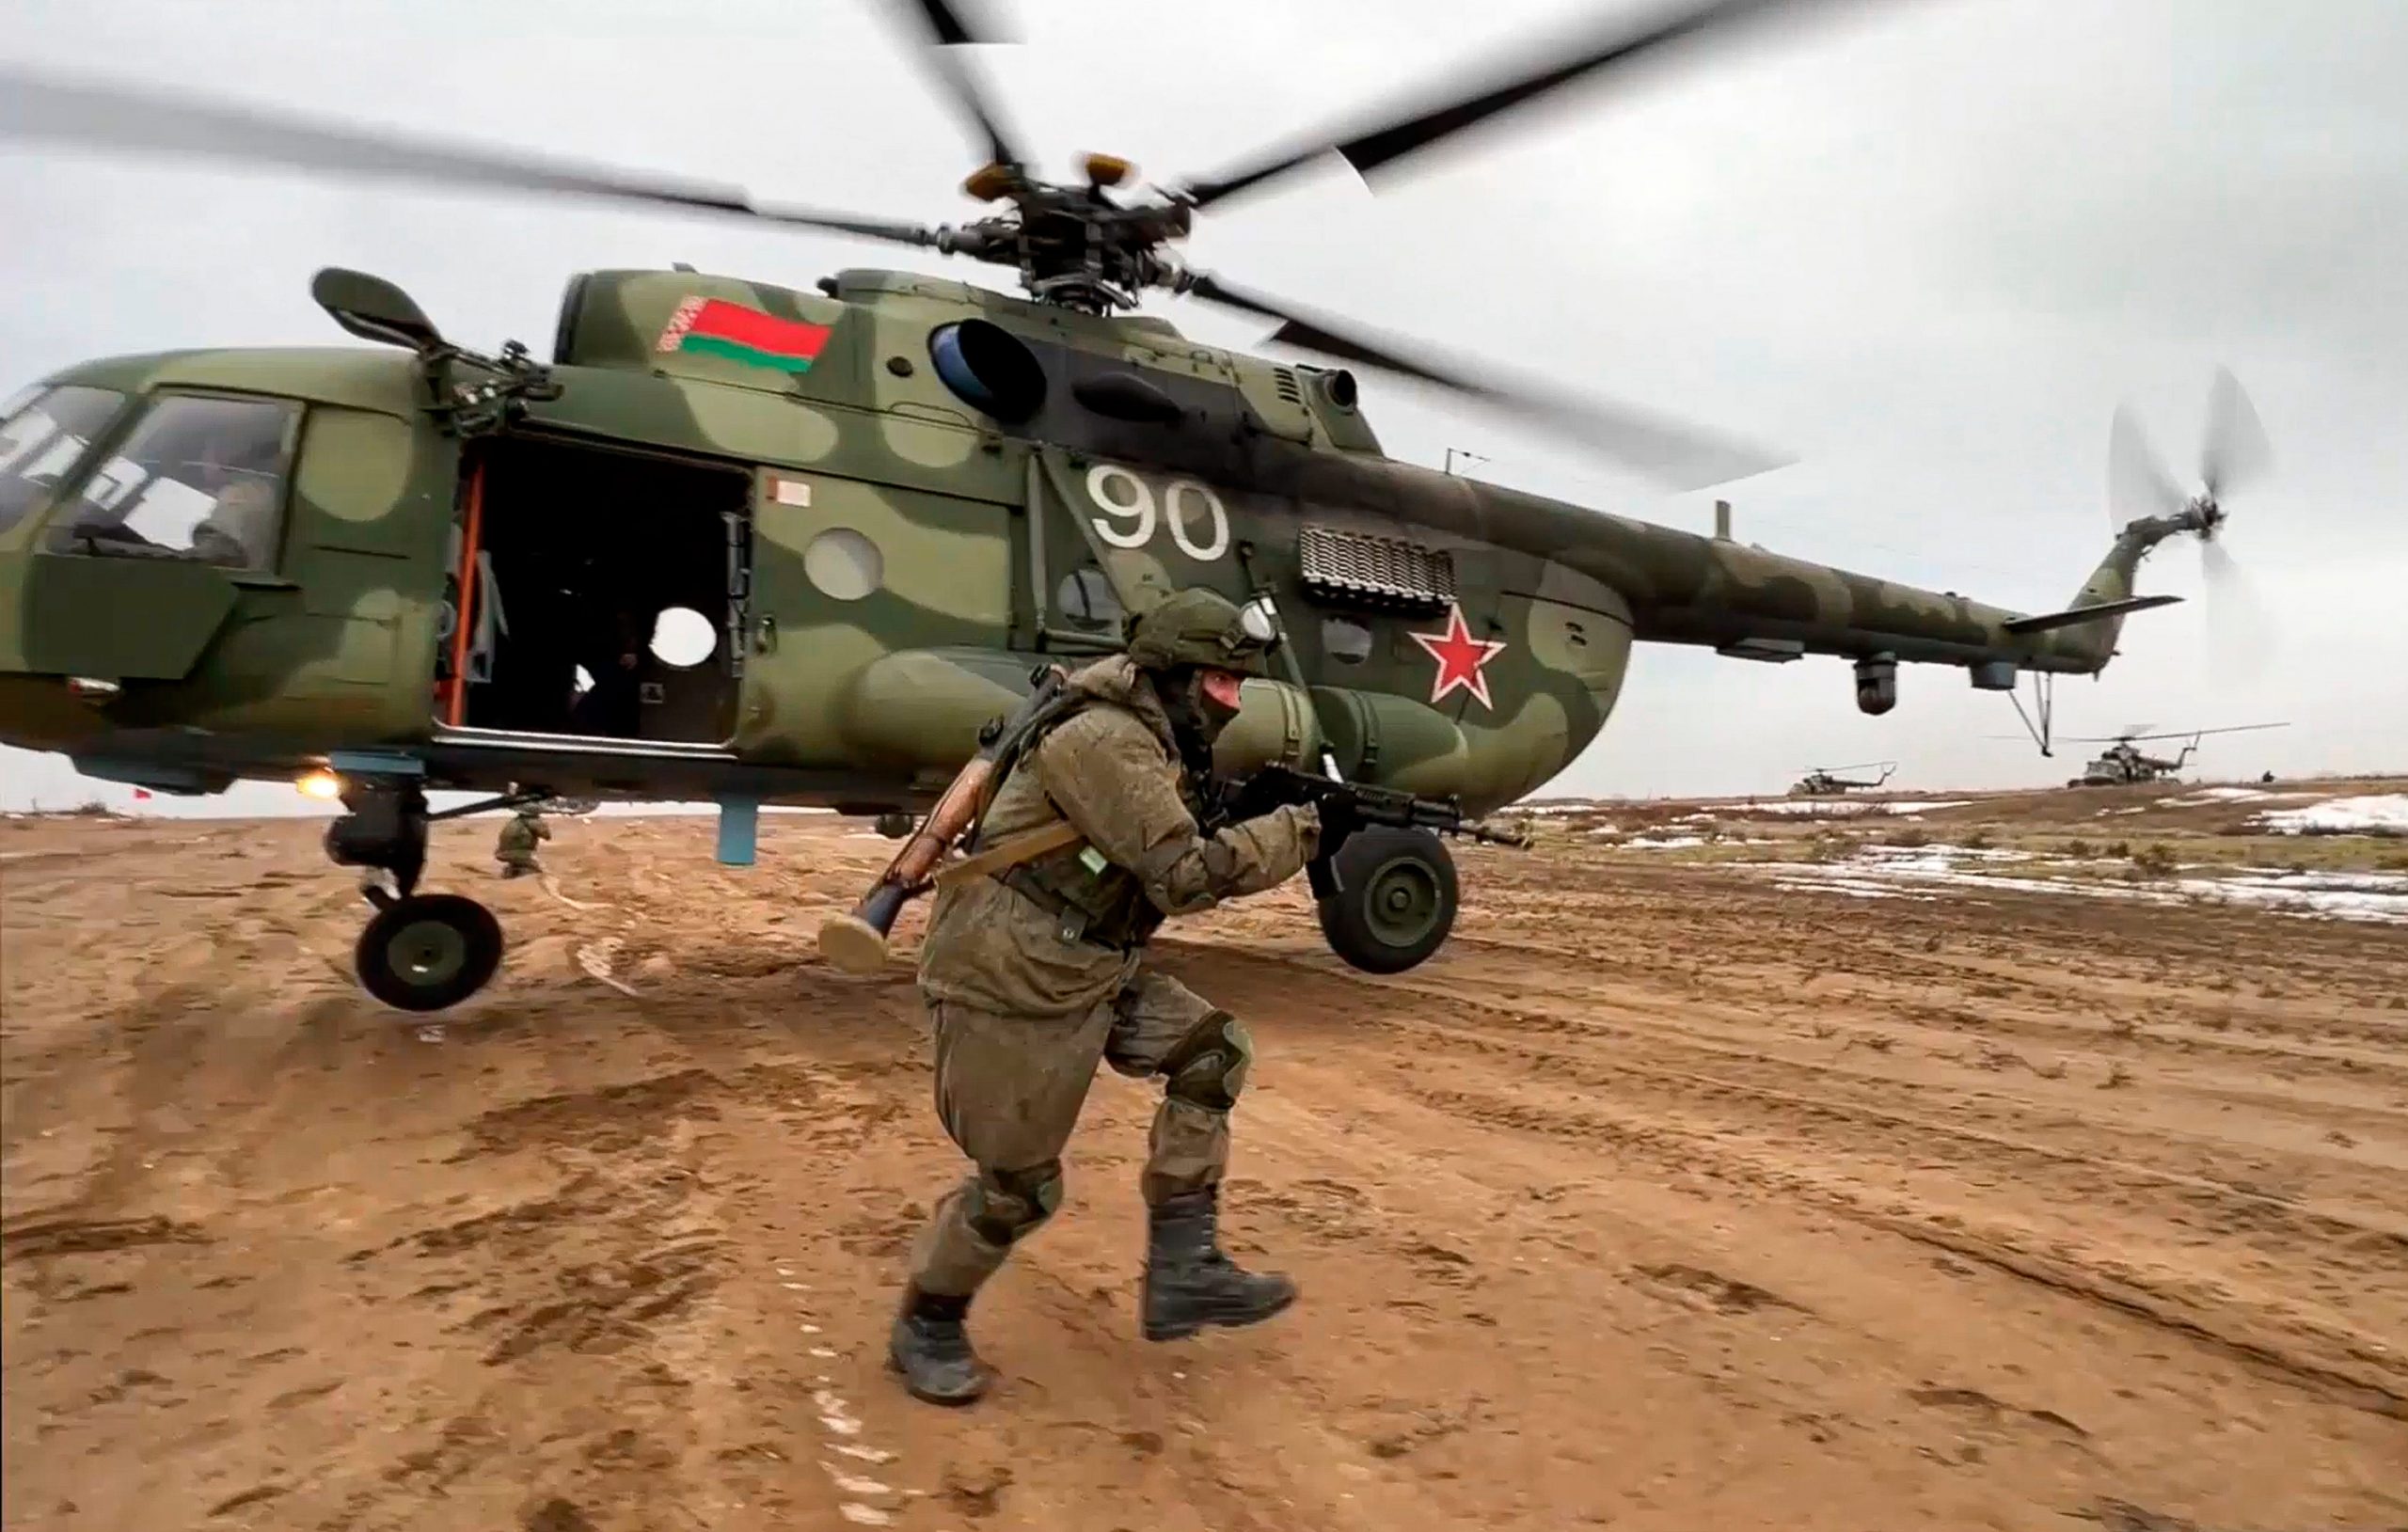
{"type": "Point", "coordinates": [1664, 1199]}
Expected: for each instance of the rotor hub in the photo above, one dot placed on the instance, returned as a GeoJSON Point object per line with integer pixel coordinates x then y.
{"type": "Point", "coordinates": [1073, 245]}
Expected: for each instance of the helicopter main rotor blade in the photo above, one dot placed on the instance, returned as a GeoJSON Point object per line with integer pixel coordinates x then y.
{"type": "Point", "coordinates": [2137, 482]}
{"type": "Point", "coordinates": [949, 29]}
{"type": "Point", "coordinates": [2169, 734]}
{"type": "Point", "coordinates": [92, 114]}
{"type": "Point", "coordinates": [1563, 62]}
{"type": "Point", "coordinates": [1675, 455]}
{"type": "Point", "coordinates": [2236, 449]}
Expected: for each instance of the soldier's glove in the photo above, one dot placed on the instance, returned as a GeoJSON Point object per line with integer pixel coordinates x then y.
{"type": "Point", "coordinates": [1339, 820]}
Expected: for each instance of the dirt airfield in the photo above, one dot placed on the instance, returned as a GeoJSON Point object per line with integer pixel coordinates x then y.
{"type": "Point", "coordinates": [1681, 1190]}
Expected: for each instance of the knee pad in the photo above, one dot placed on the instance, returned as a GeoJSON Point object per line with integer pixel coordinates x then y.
{"type": "Point", "coordinates": [1007, 1205]}
{"type": "Point", "coordinates": [1208, 1067]}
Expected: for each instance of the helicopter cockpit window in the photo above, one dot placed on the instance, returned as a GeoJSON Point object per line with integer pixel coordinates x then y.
{"type": "Point", "coordinates": [1087, 599]}
{"type": "Point", "coordinates": [43, 433]}
{"type": "Point", "coordinates": [201, 479]}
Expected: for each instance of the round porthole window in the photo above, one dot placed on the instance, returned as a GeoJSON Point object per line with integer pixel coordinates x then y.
{"type": "Point", "coordinates": [842, 565]}
{"type": "Point", "coordinates": [683, 637]}
{"type": "Point", "coordinates": [989, 369]}
{"type": "Point", "coordinates": [1086, 598]}
{"type": "Point", "coordinates": [1349, 643]}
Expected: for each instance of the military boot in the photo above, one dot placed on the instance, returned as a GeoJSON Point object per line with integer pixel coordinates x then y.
{"type": "Point", "coordinates": [931, 1348]}
{"type": "Point", "coordinates": [1190, 1283]}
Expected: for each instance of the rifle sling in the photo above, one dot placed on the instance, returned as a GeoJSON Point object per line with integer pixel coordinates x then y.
{"type": "Point", "coordinates": [1011, 853]}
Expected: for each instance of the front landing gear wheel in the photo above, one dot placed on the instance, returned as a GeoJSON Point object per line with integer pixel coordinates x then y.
{"type": "Point", "coordinates": [428, 952]}
{"type": "Point", "coordinates": [1395, 902]}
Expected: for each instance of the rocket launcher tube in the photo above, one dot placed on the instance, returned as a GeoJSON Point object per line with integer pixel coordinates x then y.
{"type": "Point", "coordinates": [856, 942]}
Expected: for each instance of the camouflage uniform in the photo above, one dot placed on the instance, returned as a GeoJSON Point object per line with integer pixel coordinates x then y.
{"type": "Point", "coordinates": [515, 850]}
{"type": "Point", "coordinates": [1035, 976]}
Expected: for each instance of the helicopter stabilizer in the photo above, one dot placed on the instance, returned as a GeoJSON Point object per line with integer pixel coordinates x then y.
{"type": "Point", "coordinates": [2046, 621]}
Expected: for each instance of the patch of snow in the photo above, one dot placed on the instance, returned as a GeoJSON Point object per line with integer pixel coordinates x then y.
{"type": "Point", "coordinates": [2358, 882]}
{"type": "Point", "coordinates": [1935, 858]}
{"type": "Point", "coordinates": [2382, 814]}
{"type": "Point", "coordinates": [1851, 887]}
{"type": "Point", "coordinates": [1806, 808]}
{"type": "Point", "coordinates": [1843, 808]}
{"type": "Point", "coordinates": [2355, 896]}
{"type": "Point", "coordinates": [2370, 898]}
{"type": "Point", "coordinates": [1667, 843]}
{"type": "Point", "coordinates": [1607, 829]}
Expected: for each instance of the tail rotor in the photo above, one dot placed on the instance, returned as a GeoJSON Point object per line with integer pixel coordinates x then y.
{"type": "Point", "coordinates": [2234, 452]}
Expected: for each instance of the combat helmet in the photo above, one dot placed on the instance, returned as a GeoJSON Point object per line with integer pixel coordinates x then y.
{"type": "Point", "coordinates": [1201, 628]}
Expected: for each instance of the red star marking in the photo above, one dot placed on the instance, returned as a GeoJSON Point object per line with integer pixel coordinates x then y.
{"type": "Point", "coordinates": [1460, 658]}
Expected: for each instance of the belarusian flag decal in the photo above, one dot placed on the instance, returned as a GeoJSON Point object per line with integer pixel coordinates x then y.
{"type": "Point", "coordinates": [714, 327]}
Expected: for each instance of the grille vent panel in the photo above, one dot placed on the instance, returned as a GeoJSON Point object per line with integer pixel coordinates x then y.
{"type": "Point", "coordinates": [1387, 574]}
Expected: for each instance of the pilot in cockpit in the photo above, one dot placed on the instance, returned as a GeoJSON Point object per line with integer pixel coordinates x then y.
{"type": "Point", "coordinates": [237, 463]}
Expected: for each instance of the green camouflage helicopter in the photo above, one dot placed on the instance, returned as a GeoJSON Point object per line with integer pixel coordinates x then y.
{"type": "Point", "coordinates": [2123, 763]}
{"type": "Point", "coordinates": [1826, 782]}
{"type": "Point", "coordinates": [875, 507]}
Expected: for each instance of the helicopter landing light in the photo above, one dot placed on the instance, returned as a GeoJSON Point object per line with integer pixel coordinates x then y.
{"type": "Point", "coordinates": [1107, 169]}
{"type": "Point", "coordinates": [322, 786]}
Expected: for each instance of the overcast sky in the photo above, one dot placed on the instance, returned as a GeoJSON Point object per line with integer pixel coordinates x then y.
{"type": "Point", "coordinates": [1927, 247]}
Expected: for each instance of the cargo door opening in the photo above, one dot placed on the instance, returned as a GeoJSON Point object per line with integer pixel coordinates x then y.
{"type": "Point", "coordinates": [603, 595]}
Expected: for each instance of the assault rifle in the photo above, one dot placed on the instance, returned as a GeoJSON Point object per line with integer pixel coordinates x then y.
{"type": "Point", "coordinates": [1354, 805]}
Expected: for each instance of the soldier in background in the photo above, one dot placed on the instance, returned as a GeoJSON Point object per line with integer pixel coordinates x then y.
{"type": "Point", "coordinates": [515, 850]}
{"type": "Point", "coordinates": [1033, 975]}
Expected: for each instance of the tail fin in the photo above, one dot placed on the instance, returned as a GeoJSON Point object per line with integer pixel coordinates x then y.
{"type": "Point", "coordinates": [2096, 615]}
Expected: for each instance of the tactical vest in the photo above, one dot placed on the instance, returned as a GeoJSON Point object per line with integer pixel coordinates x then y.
{"type": "Point", "coordinates": [1096, 901]}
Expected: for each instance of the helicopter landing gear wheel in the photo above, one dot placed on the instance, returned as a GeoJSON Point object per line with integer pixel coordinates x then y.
{"type": "Point", "coordinates": [1395, 901]}
{"type": "Point", "coordinates": [428, 952]}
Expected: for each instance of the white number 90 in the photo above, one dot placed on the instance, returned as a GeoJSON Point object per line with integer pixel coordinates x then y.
{"type": "Point", "coordinates": [1130, 517]}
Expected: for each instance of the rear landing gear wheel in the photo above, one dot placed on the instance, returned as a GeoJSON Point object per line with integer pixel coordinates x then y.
{"type": "Point", "coordinates": [428, 952]}
{"type": "Point", "coordinates": [1395, 902]}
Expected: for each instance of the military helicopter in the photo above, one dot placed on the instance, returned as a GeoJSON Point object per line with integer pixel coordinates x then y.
{"type": "Point", "coordinates": [2122, 762]}
{"type": "Point", "coordinates": [871, 507]}
{"type": "Point", "coordinates": [1826, 782]}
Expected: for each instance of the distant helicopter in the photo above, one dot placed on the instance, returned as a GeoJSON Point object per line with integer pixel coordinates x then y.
{"type": "Point", "coordinates": [1826, 782]}
{"type": "Point", "coordinates": [2122, 763]}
